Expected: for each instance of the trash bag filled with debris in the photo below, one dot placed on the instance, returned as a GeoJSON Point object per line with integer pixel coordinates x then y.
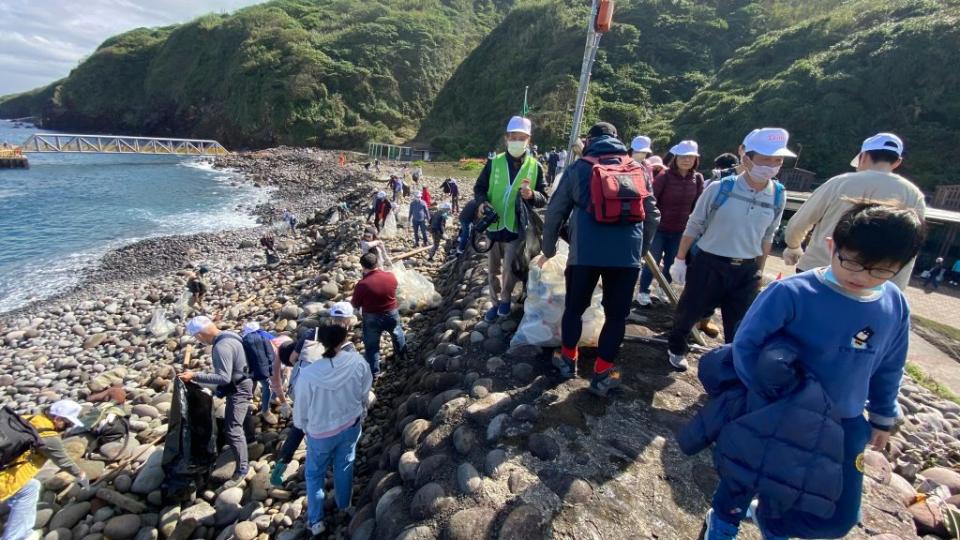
{"type": "Point", "coordinates": [543, 309]}
{"type": "Point", "coordinates": [415, 292]}
{"type": "Point", "coordinates": [190, 449]}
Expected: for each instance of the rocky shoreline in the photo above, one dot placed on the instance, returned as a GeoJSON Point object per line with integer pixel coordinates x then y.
{"type": "Point", "coordinates": [468, 439]}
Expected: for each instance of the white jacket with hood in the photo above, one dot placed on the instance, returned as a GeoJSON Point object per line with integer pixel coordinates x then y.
{"type": "Point", "coordinates": [332, 391]}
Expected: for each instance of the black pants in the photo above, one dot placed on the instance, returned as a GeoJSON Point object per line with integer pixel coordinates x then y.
{"type": "Point", "coordinates": [714, 282]}
{"type": "Point", "coordinates": [618, 284]}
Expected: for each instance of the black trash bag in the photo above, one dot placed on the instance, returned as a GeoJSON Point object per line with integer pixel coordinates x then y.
{"type": "Point", "coordinates": [190, 449]}
{"type": "Point", "coordinates": [531, 233]}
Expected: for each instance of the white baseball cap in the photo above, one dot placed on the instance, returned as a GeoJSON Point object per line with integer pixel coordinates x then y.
{"type": "Point", "coordinates": [641, 144]}
{"type": "Point", "coordinates": [381, 194]}
{"type": "Point", "coordinates": [417, 194]}
{"type": "Point", "coordinates": [197, 324]}
{"type": "Point", "coordinates": [768, 142]}
{"type": "Point", "coordinates": [519, 124]}
{"type": "Point", "coordinates": [880, 141]}
{"type": "Point", "coordinates": [250, 327]}
{"type": "Point", "coordinates": [67, 409]}
{"type": "Point", "coordinates": [341, 310]}
{"type": "Point", "coordinates": [686, 148]}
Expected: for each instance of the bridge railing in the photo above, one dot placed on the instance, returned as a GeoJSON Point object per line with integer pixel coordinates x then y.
{"type": "Point", "coordinates": [114, 144]}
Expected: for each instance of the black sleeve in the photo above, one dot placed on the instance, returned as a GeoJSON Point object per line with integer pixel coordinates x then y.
{"type": "Point", "coordinates": [483, 183]}
{"type": "Point", "coordinates": [540, 190]}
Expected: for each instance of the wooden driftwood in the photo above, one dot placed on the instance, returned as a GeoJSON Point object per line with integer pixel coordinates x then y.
{"type": "Point", "coordinates": [671, 294]}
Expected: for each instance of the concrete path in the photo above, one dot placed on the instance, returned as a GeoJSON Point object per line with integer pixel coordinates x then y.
{"type": "Point", "coordinates": [934, 362]}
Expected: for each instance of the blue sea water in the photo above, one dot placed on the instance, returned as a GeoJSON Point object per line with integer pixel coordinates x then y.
{"type": "Point", "coordinates": [64, 212]}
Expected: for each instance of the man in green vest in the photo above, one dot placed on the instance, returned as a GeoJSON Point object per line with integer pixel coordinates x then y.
{"type": "Point", "coordinates": [507, 181]}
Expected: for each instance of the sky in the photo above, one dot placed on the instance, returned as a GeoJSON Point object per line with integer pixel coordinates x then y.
{"type": "Point", "coordinates": [42, 40]}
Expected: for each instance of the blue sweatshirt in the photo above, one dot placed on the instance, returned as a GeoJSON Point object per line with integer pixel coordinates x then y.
{"type": "Point", "coordinates": [855, 346]}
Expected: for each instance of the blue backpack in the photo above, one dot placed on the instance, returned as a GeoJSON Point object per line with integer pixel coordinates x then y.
{"type": "Point", "coordinates": [726, 191]}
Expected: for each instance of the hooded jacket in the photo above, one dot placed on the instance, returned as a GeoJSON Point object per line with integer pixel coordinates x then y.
{"type": "Point", "coordinates": [332, 392]}
{"type": "Point", "coordinates": [593, 243]}
{"type": "Point", "coordinates": [783, 442]}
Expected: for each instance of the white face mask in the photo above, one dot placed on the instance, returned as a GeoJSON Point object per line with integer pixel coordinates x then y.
{"type": "Point", "coordinates": [516, 148]}
{"type": "Point", "coordinates": [760, 173]}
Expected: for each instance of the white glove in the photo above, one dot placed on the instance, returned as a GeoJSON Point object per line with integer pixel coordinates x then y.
{"type": "Point", "coordinates": [791, 256]}
{"type": "Point", "coordinates": [83, 481]}
{"type": "Point", "coordinates": [679, 272]}
{"type": "Point", "coordinates": [285, 410]}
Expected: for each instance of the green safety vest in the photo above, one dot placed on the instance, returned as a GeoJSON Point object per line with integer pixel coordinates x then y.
{"type": "Point", "coordinates": [503, 191]}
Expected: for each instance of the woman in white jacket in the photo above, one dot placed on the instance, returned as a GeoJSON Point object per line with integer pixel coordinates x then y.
{"type": "Point", "coordinates": [332, 395]}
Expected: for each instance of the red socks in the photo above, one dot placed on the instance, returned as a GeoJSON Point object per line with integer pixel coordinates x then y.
{"type": "Point", "coordinates": [602, 366]}
{"type": "Point", "coordinates": [570, 353]}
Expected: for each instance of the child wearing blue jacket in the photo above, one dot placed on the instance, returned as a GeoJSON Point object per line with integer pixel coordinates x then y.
{"type": "Point", "coordinates": [853, 328]}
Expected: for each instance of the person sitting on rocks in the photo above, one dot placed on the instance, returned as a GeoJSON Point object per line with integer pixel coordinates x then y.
{"type": "Point", "coordinates": [370, 243]}
{"type": "Point", "coordinates": [232, 380]}
{"type": "Point", "coordinates": [857, 354]}
{"type": "Point", "coordinates": [376, 298]}
{"type": "Point", "coordinates": [18, 487]}
{"type": "Point", "coordinates": [438, 223]}
{"type": "Point", "coordinates": [333, 397]}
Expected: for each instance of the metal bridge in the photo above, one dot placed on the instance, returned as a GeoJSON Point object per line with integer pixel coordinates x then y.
{"type": "Point", "coordinates": [115, 144]}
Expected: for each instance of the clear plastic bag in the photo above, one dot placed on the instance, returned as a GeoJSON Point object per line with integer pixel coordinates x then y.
{"type": "Point", "coordinates": [159, 326]}
{"type": "Point", "coordinates": [389, 229]}
{"type": "Point", "coordinates": [402, 210]}
{"type": "Point", "coordinates": [543, 309]}
{"type": "Point", "coordinates": [183, 307]}
{"type": "Point", "coordinates": [414, 291]}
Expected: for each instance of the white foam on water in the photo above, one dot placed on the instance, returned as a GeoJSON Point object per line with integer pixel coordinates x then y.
{"type": "Point", "coordinates": [37, 280]}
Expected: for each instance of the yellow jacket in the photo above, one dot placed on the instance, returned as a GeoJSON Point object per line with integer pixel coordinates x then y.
{"type": "Point", "coordinates": [13, 478]}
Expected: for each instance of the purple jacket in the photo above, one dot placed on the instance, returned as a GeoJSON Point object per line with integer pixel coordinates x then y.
{"type": "Point", "coordinates": [676, 197]}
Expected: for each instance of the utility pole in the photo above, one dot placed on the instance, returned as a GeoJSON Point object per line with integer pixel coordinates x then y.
{"type": "Point", "coordinates": [589, 55]}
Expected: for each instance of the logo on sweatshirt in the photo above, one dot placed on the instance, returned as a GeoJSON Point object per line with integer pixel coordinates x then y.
{"type": "Point", "coordinates": [861, 338]}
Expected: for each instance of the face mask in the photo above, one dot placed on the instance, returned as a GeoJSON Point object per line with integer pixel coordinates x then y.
{"type": "Point", "coordinates": [832, 278]}
{"type": "Point", "coordinates": [760, 173]}
{"type": "Point", "coordinates": [516, 148]}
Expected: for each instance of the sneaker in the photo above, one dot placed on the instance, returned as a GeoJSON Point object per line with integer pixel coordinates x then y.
{"type": "Point", "coordinates": [718, 529]}
{"type": "Point", "coordinates": [491, 314]}
{"type": "Point", "coordinates": [317, 529]}
{"type": "Point", "coordinates": [752, 516]}
{"type": "Point", "coordinates": [504, 309]}
{"type": "Point", "coordinates": [678, 361]}
{"type": "Point", "coordinates": [235, 480]}
{"type": "Point", "coordinates": [566, 366]}
{"type": "Point", "coordinates": [276, 474]}
{"type": "Point", "coordinates": [644, 299]}
{"type": "Point", "coordinates": [709, 328]}
{"type": "Point", "coordinates": [607, 383]}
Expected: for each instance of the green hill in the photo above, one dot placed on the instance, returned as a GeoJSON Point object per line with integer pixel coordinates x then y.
{"type": "Point", "coordinates": [338, 73]}
{"type": "Point", "coordinates": [333, 73]}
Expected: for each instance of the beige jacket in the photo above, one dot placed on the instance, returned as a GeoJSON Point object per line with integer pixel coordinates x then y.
{"type": "Point", "coordinates": [830, 201]}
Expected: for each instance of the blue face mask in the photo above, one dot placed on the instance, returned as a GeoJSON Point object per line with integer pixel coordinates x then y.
{"type": "Point", "coordinates": [831, 278]}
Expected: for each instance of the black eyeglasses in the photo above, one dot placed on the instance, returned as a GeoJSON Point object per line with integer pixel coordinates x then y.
{"type": "Point", "coordinates": [854, 266]}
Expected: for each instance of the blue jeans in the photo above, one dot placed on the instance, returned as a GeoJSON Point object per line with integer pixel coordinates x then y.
{"type": "Point", "coordinates": [466, 227]}
{"type": "Point", "coordinates": [419, 230]}
{"type": "Point", "coordinates": [732, 507]}
{"type": "Point", "coordinates": [23, 512]}
{"type": "Point", "coordinates": [341, 449]}
{"type": "Point", "coordinates": [265, 396]}
{"type": "Point", "coordinates": [375, 324]}
{"type": "Point", "coordinates": [663, 248]}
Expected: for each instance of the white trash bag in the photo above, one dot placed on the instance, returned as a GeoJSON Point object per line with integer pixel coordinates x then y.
{"type": "Point", "coordinates": [159, 326]}
{"type": "Point", "coordinates": [402, 210]}
{"type": "Point", "coordinates": [389, 228]}
{"type": "Point", "coordinates": [414, 291]}
{"type": "Point", "coordinates": [543, 309]}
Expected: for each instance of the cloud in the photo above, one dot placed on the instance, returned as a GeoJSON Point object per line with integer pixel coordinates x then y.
{"type": "Point", "coordinates": [42, 40]}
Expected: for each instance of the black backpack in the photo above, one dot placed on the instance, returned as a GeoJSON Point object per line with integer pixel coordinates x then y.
{"type": "Point", "coordinates": [17, 437]}
{"type": "Point", "coordinates": [259, 353]}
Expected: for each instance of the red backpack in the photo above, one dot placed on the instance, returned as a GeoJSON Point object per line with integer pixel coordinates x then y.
{"type": "Point", "coordinates": [618, 186]}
